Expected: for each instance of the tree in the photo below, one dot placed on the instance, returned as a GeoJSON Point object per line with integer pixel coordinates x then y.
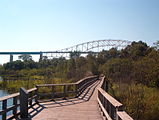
{"type": "Point", "coordinates": [92, 63]}
{"type": "Point", "coordinates": [25, 57]}
{"type": "Point", "coordinates": [157, 45]}
{"type": "Point", "coordinates": [30, 64]}
{"type": "Point", "coordinates": [71, 68]}
{"type": "Point", "coordinates": [135, 50]}
{"type": "Point", "coordinates": [118, 69]}
{"type": "Point", "coordinates": [75, 54]}
{"type": "Point", "coordinates": [15, 65]}
{"type": "Point", "coordinates": [146, 70]}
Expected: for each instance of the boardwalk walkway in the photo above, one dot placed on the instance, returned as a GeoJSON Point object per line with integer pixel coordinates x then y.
{"type": "Point", "coordinates": [85, 107]}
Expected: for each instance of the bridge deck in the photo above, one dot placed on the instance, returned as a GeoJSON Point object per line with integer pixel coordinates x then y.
{"type": "Point", "coordinates": [85, 107]}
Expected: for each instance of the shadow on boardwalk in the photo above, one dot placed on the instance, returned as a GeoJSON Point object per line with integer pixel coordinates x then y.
{"type": "Point", "coordinates": [83, 98]}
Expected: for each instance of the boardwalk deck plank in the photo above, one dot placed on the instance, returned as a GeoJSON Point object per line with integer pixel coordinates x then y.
{"type": "Point", "coordinates": [71, 109]}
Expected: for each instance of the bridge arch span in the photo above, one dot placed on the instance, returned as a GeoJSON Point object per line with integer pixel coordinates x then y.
{"type": "Point", "coordinates": [96, 44]}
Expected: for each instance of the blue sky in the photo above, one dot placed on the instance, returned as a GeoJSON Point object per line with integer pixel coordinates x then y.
{"type": "Point", "coordinates": [41, 25]}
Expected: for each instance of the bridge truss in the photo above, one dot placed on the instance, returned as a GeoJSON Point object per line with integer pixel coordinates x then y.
{"type": "Point", "coordinates": [89, 47]}
{"type": "Point", "coordinates": [82, 49]}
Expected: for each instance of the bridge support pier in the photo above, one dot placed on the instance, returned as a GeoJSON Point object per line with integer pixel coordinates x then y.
{"type": "Point", "coordinates": [41, 56]}
{"type": "Point", "coordinates": [11, 58]}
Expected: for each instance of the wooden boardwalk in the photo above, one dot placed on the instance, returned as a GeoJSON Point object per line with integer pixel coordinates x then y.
{"type": "Point", "coordinates": [85, 107]}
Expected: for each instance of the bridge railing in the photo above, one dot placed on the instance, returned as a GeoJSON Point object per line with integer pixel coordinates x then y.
{"type": "Point", "coordinates": [53, 91]}
{"type": "Point", "coordinates": [11, 105]}
{"type": "Point", "coordinates": [110, 107]}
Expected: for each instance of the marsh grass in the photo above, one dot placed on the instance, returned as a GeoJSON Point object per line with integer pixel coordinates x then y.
{"type": "Point", "coordinates": [13, 86]}
{"type": "Point", "coordinates": [141, 102]}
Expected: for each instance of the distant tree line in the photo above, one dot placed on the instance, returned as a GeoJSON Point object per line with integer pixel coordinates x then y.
{"type": "Point", "coordinates": [137, 63]}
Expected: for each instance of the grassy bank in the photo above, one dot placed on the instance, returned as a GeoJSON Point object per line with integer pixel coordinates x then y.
{"type": "Point", "coordinates": [13, 86]}
{"type": "Point", "coordinates": [141, 102]}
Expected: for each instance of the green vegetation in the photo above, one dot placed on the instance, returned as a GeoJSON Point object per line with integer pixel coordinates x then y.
{"type": "Point", "coordinates": [27, 73]}
{"type": "Point", "coordinates": [134, 79]}
{"type": "Point", "coordinates": [133, 74]}
{"type": "Point", "coordinates": [140, 101]}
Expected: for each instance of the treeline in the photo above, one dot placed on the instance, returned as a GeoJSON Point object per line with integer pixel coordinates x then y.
{"type": "Point", "coordinates": [137, 63]}
{"type": "Point", "coordinates": [26, 72]}
{"type": "Point", "coordinates": [69, 69]}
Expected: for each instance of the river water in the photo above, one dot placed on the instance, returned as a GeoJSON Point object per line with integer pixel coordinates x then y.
{"type": "Point", "coordinates": [9, 102]}
{"type": "Point", "coordinates": [3, 93]}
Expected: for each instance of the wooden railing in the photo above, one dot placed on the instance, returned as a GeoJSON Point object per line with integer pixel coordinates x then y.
{"type": "Point", "coordinates": [18, 104]}
{"type": "Point", "coordinates": [52, 91]}
{"type": "Point", "coordinates": [110, 107]}
{"type": "Point", "coordinates": [13, 105]}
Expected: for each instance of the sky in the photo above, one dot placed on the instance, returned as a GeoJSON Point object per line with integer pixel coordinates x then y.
{"type": "Point", "coordinates": [49, 25]}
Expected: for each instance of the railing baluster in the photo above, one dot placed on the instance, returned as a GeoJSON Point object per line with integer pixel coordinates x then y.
{"type": "Point", "coordinates": [15, 104]}
{"type": "Point", "coordinates": [76, 90]}
{"type": "Point", "coordinates": [37, 93]}
{"type": "Point", "coordinates": [36, 98]}
{"type": "Point", "coordinates": [65, 90]}
{"type": "Point", "coordinates": [31, 101]}
{"type": "Point", "coordinates": [4, 107]}
{"type": "Point", "coordinates": [52, 92]}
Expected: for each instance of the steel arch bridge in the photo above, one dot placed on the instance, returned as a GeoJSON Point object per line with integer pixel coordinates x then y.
{"type": "Point", "coordinates": [85, 48]}
{"type": "Point", "coordinates": [95, 46]}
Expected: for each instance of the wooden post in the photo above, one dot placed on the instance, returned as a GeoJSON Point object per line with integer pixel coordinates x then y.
{"type": "Point", "coordinates": [31, 100]}
{"type": "Point", "coordinates": [106, 86]}
{"type": "Point", "coordinates": [79, 88]}
{"type": "Point", "coordinates": [23, 103]}
{"type": "Point", "coordinates": [65, 91]}
{"type": "Point", "coordinates": [119, 108]}
{"type": "Point", "coordinates": [4, 107]}
{"type": "Point", "coordinates": [15, 104]}
{"type": "Point", "coordinates": [36, 93]}
{"type": "Point", "coordinates": [53, 93]}
{"type": "Point", "coordinates": [31, 103]}
{"type": "Point", "coordinates": [113, 111]}
{"type": "Point", "coordinates": [76, 90]}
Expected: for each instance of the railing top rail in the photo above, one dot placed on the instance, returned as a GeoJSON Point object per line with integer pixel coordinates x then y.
{"type": "Point", "coordinates": [47, 85]}
{"type": "Point", "coordinates": [102, 81]}
{"type": "Point", "coordinates": [9, 96]}
{"type": "Point", "coordinates": [112, 100]}
{"type": "Point", "coordinates": [84, 79]}
{"type": "Point", "coordinates": [123, 115]}
{"type": "Point", "coordinates": [15, 94]}
{"type": "Point", "coordinates": [31, 90]}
